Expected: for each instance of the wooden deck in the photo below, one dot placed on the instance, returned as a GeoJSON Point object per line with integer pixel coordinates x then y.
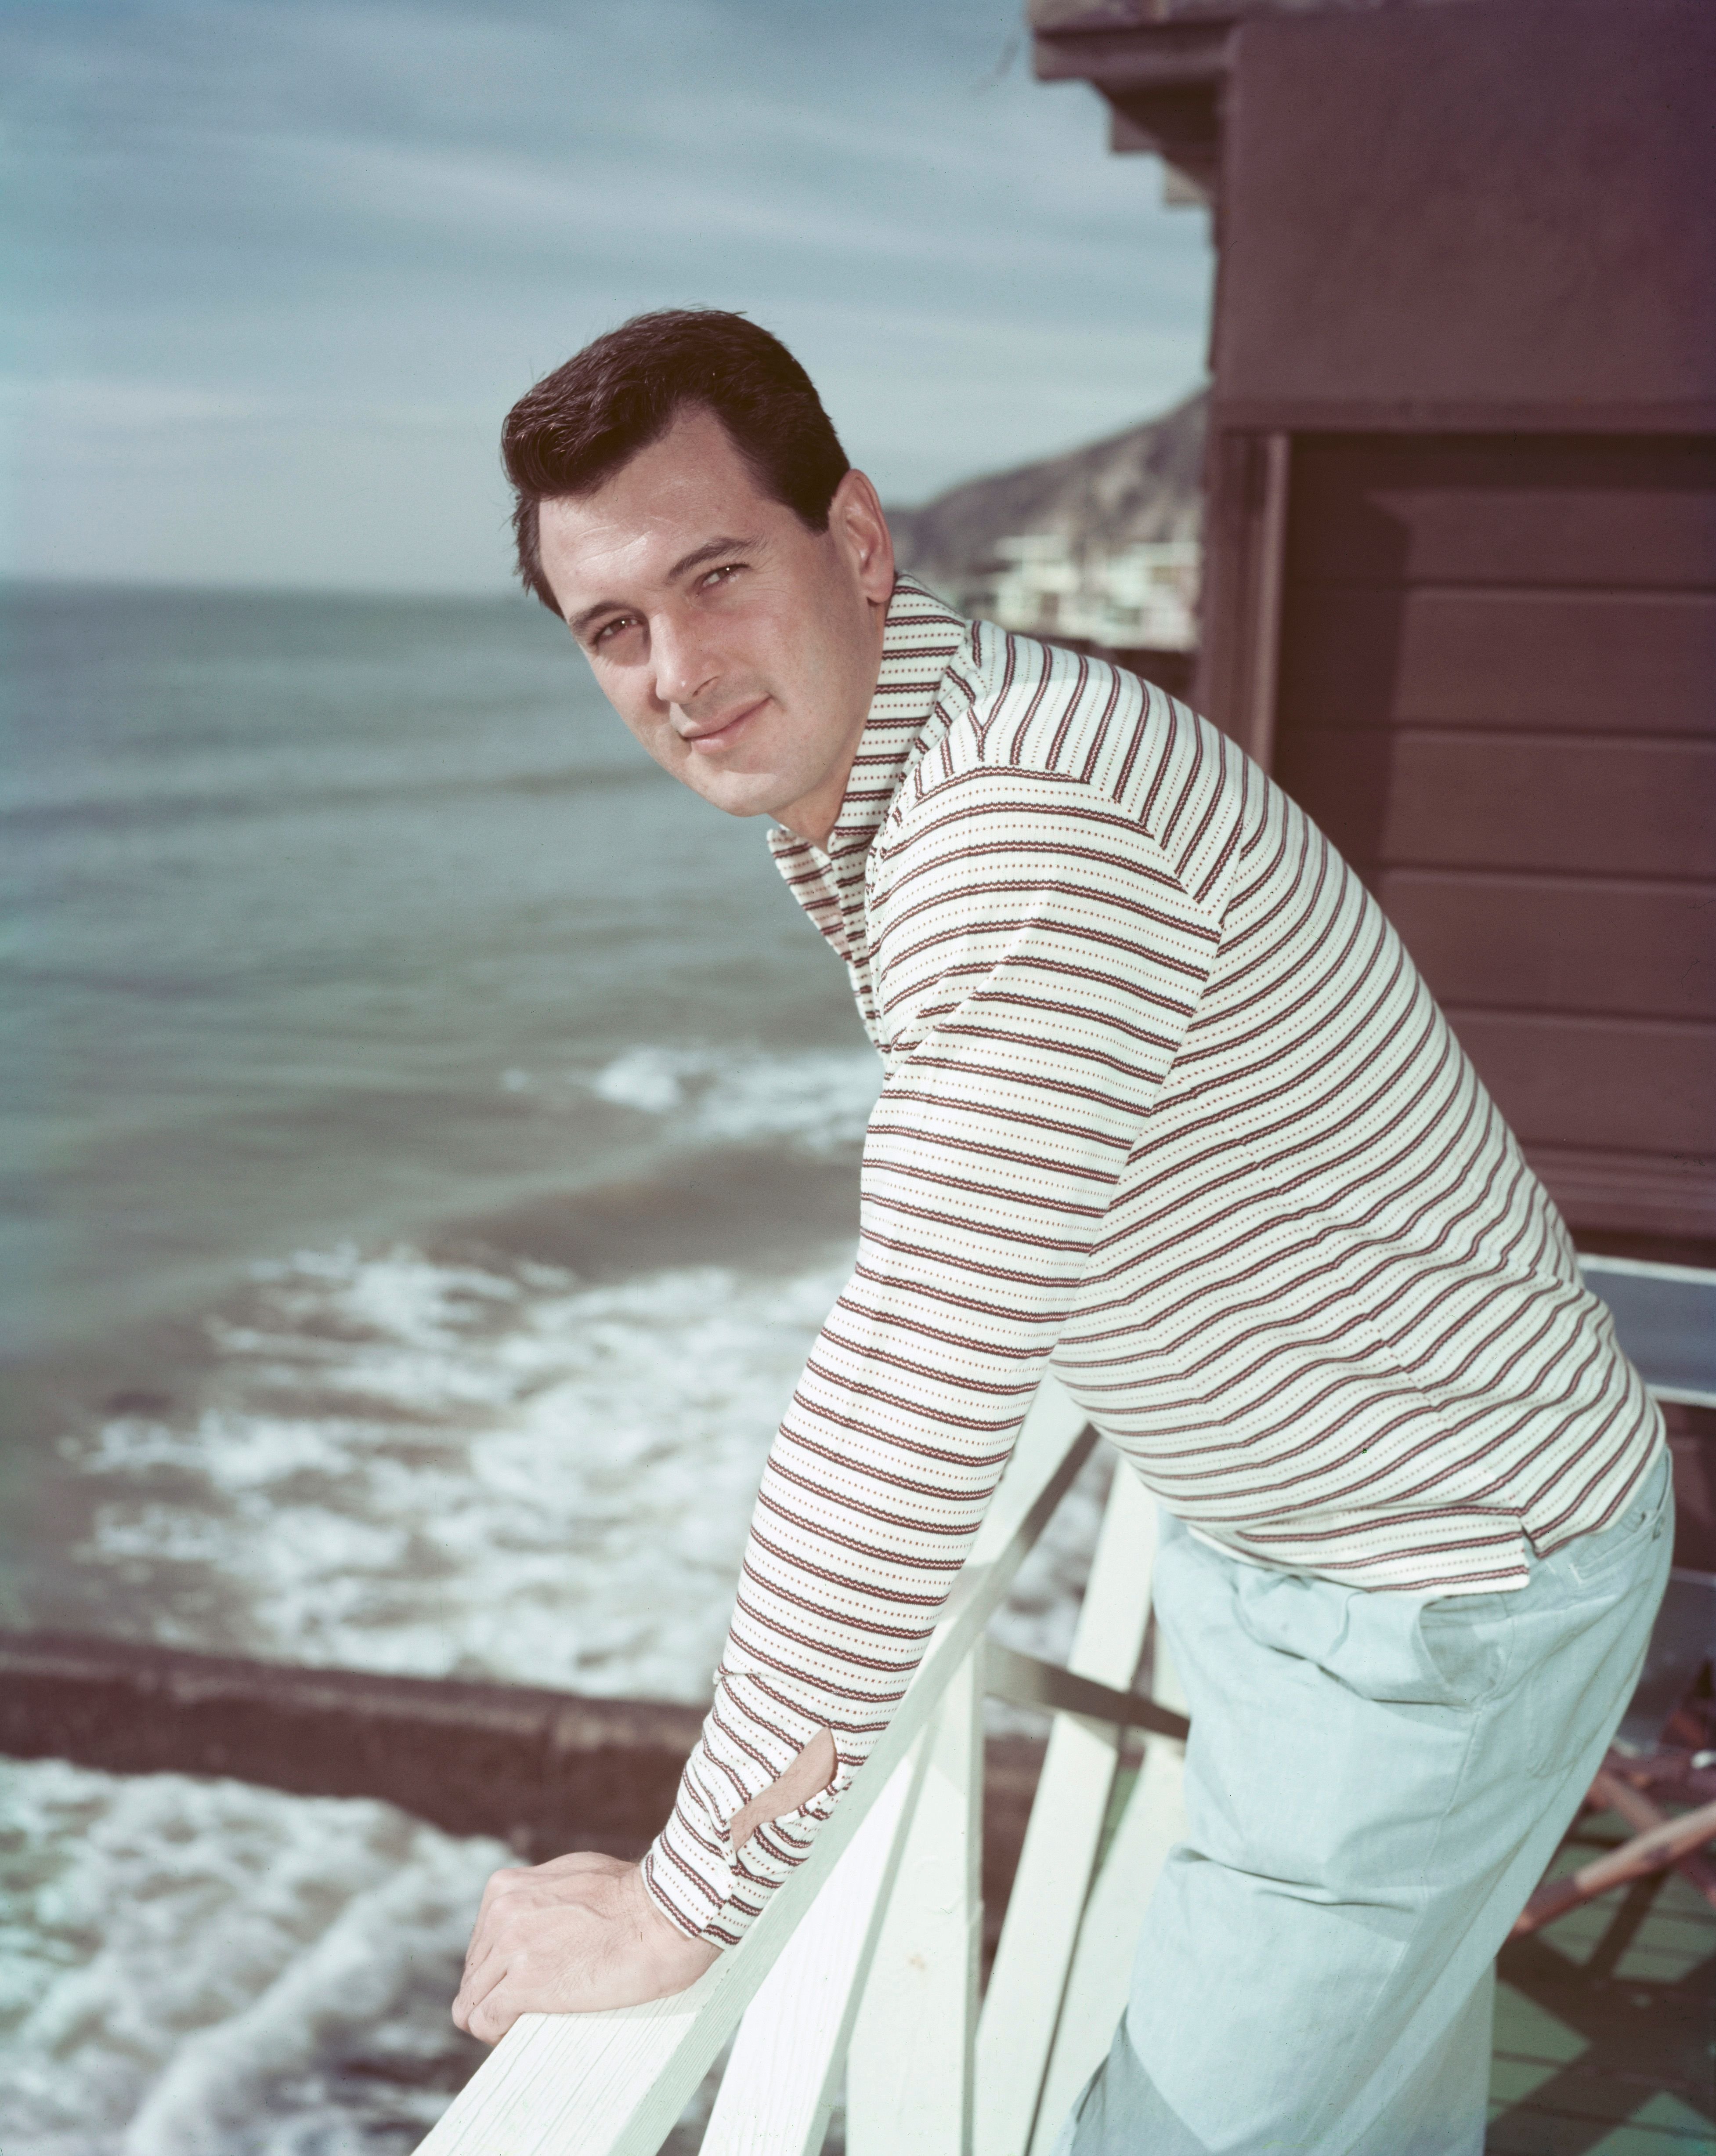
{"type": "Point", "coordinates": [1605, 2022]}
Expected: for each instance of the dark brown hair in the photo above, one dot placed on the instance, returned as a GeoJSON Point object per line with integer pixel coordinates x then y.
{"type": "Point", "coordinates": [581, 423]}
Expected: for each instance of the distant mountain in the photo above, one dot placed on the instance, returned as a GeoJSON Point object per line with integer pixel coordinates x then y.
{"type": "Point", "coordinates": [1144, 484]}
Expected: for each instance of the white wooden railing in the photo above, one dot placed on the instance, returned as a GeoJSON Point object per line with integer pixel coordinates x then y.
{"type": "Point", "coordinates": [862, 1969]}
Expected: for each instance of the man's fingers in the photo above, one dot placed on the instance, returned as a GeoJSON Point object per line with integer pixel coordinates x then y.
{"type": "Point", "coordinates": [567, 1937]}
{"type": "Point", "coordinates": [497, 1882]}
{"type": "Point", "coordinates": [510, 1885]}
{"type": "Point", "coordinates": [581, 1860]}
{"type": "Point", "coordinates": [481, 1976]}
{"type": "Point", "coordinates": [501, 1988]}
{"type": "Point", "coordinates": [568, 1881]}
{"type": "Point", "coordinates": [482, 1944]}
{"type": "Point", "coordinates": [492, 2017]}
{"type": "Point", "coordinates": [494, 1887]}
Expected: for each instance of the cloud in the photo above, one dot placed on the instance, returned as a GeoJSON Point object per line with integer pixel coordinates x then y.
{"type": "Point", "coordinates": [287, 242]}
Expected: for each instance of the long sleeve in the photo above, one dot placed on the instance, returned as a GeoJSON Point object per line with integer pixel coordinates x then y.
{"type": "Point", "coordinates": [1034, 962]}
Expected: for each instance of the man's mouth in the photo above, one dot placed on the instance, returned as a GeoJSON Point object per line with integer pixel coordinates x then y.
{"type": "Point", "coordinates": [707, 739]}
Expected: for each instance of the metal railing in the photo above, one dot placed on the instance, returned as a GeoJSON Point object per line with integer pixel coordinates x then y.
{"type": "Point", "coordinates": [861, 1971]}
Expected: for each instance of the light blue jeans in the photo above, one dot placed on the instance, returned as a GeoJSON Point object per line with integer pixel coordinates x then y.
{"type": "Point", "coordinates": [1374, 1783]}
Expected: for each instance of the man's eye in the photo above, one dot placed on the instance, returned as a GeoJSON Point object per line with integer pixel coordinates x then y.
{"type": "Point", "coordinates": [721, 576]}
{"type": "Point", "coordinates": [609, 627]}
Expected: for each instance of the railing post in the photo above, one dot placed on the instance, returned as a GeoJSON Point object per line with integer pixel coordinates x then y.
{"type": "Point", "coordinates": [784, 2073]}
{"type": "Point", "coordinates": [1063, 1839]}
{"type": "Point", "coordinates": [1100, 1980]}
{"type": "Point", "coordinates": [909, 2064]}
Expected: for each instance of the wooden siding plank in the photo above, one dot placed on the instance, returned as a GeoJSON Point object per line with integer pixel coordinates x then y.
{"type": "Point", "coordinates": [1423, 800]}
{"type": "Point", "coordinates": [1497, 660]}
{"type": "Point", "coordinates": [1626, 1084]}
{"type": "Point", "coordinates": [1604, 662]}
{"type": "Point", "coordinates": [1555, 510]}
{"type": "Point", "coordinates": [1416, 210]}
{"type": "Point", "coordinates": [1558, 943]}
{"type": "Point", "coordinates": [1632, 1194]}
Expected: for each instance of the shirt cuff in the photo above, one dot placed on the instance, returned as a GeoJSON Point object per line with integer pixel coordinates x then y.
{"type": "Point", "coordinates": [692, 1872]}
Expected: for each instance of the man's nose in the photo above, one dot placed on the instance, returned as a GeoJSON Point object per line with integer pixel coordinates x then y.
{"type": "Point", "coordinates": [685, 666]}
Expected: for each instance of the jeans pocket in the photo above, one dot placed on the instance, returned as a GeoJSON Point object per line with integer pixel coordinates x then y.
{"type": "Point", "coordinates": [1585, 1623]}
{"type": "Point", "coordinates": [1646, 1516]}
{"type": "Point", "coordinates": [1395, 1649]}
{"type": "Point", "coordinates": [1468, 1640]}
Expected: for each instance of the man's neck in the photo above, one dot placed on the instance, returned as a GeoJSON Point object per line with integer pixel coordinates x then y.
{"type": "Point", "coordinates": [815, 815]}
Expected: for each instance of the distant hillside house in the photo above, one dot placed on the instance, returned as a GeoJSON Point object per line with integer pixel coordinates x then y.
{"type": "Point", "coordinates": [1144, 596]}
{"type": "Point", "coordinates": [1099, 548]}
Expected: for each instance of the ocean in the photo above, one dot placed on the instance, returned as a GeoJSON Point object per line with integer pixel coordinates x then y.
{"type": "Point", "coordinates": [428, 1146]}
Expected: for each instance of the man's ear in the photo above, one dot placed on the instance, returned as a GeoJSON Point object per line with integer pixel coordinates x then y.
{"type": "Point", "coordinates": [856, 520]}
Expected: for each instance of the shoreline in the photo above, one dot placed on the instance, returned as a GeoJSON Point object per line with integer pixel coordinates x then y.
{"type": "Point", "coordinates": [542, 1770]}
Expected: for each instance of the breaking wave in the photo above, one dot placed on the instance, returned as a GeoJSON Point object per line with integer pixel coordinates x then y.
{"type": "Point", "coordinates": [818, 1100]}
{"type": "Point", "coordinates": [423, 1467]}
{"type": "Point", "coordinates": [203, 1968]}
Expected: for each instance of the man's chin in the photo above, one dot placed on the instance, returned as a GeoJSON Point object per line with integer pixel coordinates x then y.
{"type": "Point", "coordinates": [744, 793]}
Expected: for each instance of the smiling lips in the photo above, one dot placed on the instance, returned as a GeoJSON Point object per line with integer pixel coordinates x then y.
{"type": "Point", "coordinates": [724, 736]}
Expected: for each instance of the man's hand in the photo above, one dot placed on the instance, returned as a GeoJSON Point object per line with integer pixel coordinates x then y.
{"type": "Point", "coordinates": [580, 1933]}
{"type": "Point", "coordinates": [571, 1937]}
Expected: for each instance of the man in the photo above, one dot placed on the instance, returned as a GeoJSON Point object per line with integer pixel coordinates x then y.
{"type": "Point", "coordinates": [1165, 1101]}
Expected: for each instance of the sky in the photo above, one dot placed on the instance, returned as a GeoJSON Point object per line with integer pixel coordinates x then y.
{"type": "Point", "coordinates": [275, 269]}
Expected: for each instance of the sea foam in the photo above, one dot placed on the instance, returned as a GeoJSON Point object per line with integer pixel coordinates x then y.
{"type": "Point", "coordinates": [203, 1968]}
{"type": "Point", "coordinates": [445, 1470]}
{"type": "Point", "coordinates": [411, 1466]}
{"type": "Point", "coordinates": [820, 1100]}
{"type": "Point", "coordinates": [816, 1100]}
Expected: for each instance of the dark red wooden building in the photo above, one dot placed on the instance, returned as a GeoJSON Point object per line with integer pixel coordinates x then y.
{"type": "Point", "coordinates": [1460, 571]}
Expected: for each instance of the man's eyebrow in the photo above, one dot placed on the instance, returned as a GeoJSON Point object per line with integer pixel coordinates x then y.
{"type": "Point", "coordinates": [580, 622]}
{"type": "Point", "coordinates": [710, 549]}
{"type": "Point", "coordinates": [708, 553]}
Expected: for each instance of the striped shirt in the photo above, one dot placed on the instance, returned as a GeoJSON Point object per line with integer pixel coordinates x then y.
{"type": "Point", "coordinates": [1166, 1103]}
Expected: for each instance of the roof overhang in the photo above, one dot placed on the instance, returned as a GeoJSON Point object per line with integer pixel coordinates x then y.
{"type": "Point", "coordinates": [1162, 67]}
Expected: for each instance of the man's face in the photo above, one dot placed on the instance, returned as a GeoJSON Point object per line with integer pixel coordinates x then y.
{"type": "Point", "coordinates": [740, 649]}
